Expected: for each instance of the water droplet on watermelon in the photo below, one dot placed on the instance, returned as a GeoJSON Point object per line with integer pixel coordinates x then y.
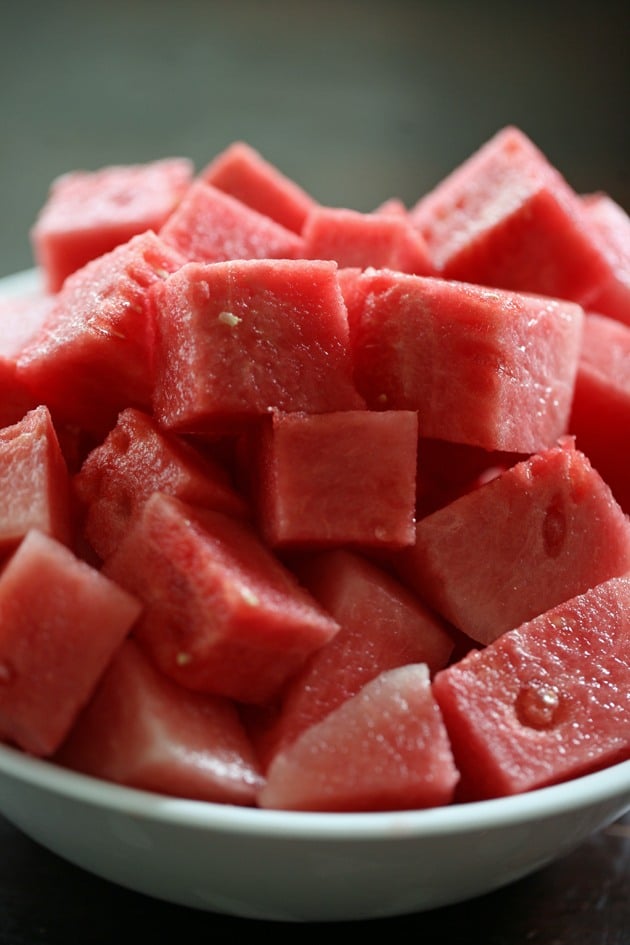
{"type": "Point", "coordinates": [537, 705]}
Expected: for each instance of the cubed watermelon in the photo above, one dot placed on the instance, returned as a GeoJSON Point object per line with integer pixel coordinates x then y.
{"type": "Point", "coordinates": [342, 478]}
{"type": "Point", "coordinates": [239, 338]}
{"type": "Point", "coordinates": [383, 626]}
{"type": "Point", "coordinates": [136, 459]}
{"type": "Point", "coordinates": [540, 533]}
{"type": "Point", "coordinates": [600, 412]}
{"type": "Point", "coordinates": [609, 226]}
{"type": "Point", "coordinates": [143, 730]}
{"type": "Point", "coordinates": [481, 366]}
{"type": "Point", "coordinates": [385, 748]}
{"type": "Point", "coordinates": [21, 317]}
{"type": "Point", "coordinates": [242, 171]}
{"type": "Point", "coordinates": [34, 481]}
{"type": "Point", "coordinates": [547, 701]}
{"type": "Point", "coordinates": [210, 226]}
{"type": "Point", "coordinates": [507, 218]}
{"type": "Point", "coordinates": [383, 240]}
{"type": "Point", "coordinates": [62, 620]}
{"type": "Point", "coordinates": [89, 213]}
{"type": "Point", "coordinates": [92, 357]}
{"type": "Point", "coordinates": [221, 613]}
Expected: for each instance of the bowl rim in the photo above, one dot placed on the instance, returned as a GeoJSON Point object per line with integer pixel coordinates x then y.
{"type": "Point", "coordinates": [461, 818]}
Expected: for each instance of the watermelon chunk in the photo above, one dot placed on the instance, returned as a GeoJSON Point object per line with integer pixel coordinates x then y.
{"type": "Point", "coordinates": [34, 481]}
{"type": "Point", "coordinates": [236, 339]}
{"type": "Point", "coordinates": [92, 357]}
{"type": "Point", "coordinates": [242, 171]}
{"type": "Point", "coordinates": [222, 614]}
{"type": "Point", "coordinates": [136, 459]}
{"type": "Point", "coordinates": [89, 213]}
{"type": "Point", "coordinates": [62, 620]}
{"type": "Point", "coordinates": [610, 226]}
{"type": "Point", "coordinates": [143, 730]}
{"type": "Point", "coordinates": [485, 367]}
{"type": "Point", "coordinates": [386, 748]}
{"type": "Point", "coordinates": [383, 240]}
{"type": "Point", "coordinates": [600, 413]}
{"type": "Point", "coordinates": [21, 317]}
{"type": "Point", "coordinates": [382, 625]}
{"type": "Point", "coordinates": [507, 218]}
{"type": "Point", "coordinates": [542, 532]}
{"type": "Point", "coordinates": [343, 478]}
{"type": "Point", "coordinates": [210, 226]}
{"type": "Point", "coordinates": [547, 701]}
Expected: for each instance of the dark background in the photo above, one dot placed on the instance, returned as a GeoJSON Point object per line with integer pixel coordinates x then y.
{"type": "Point", "coordinates": [357, 100]}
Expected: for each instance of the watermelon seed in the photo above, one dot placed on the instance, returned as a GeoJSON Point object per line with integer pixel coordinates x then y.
{"type": "Point", "coordinates": [229, 318]}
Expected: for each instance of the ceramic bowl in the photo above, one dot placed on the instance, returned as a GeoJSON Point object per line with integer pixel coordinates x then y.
{"type": "Point", "coordinates": [298, 866]}
{"type": "Point", "coordinates": [288, 866]}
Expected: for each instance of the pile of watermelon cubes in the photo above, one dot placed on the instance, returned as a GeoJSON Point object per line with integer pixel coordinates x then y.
{"type": "Point", "coordinates": [317, 509]}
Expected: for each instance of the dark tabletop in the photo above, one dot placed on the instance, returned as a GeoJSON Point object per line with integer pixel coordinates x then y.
{"type": "Point", "coordinates": [358, 101]}
{"type": "Point", "coordinates": [582, 899]}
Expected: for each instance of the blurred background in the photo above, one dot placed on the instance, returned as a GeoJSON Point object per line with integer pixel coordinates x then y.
{"type": "Point", "coordinates": [356, 100]}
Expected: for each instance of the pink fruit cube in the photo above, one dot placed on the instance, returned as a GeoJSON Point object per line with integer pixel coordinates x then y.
{"type": "Point", "coordinates": [92, 357]}
{"type": "Point", "coordinates": [34, 481]}
{"type": "Point", "coordinates": [135, 459]}
{"type": "Point", "coordinates": [89, 213]}
{"type": "Point", "coordinates": [237, 339]}
{"type": "Point", "coordinates": [343, 478]}
{"type": "Point", "coordinates": [62, 621]}
{"type": "Point", "coordinates": [486, 367]}
{"type": "Point", "coordinates": [507, 218]}
{"type": "Point", "coordinates": [382, 240]}
{"type": "Point", "coordinates": [143, 730]}
{"type": "Point", "coordinates": [211, 226]}
{"type": "Point", "coordinates": [548, 701]}
{"type": "Point", "coordinates": [221, 613]}
{"type": "Point", "coordinates": [241, 171]}
{"type": "Point", "coordinates": [543, 531]}
{"type": "Point", "coordinates": [600, 412]}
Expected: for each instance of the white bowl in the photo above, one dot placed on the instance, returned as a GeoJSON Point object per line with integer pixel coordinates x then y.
{"type": "Point", "coordinates": [298, 866]}
{"type": "Point", "coordinates": [302, 866]}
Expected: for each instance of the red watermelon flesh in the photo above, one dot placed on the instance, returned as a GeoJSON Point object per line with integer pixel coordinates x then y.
{"type": "Point", "coordinates": [540, 533]}
{"type": "Point", "coordinates": [239, 338]}
{"type": "Point", "coordinates": [136, 459]}
{"type": "Point", "coordinates": [222, 614]}
{"type": "Point", "coordinates": [342, 478]}
{"type": "Point", "coordinates": [34, 481]}
{"type": "Point", "coordinates": [244, 173]}
{"type": "Point", "coordinates": [385, 748]}
{"type": "Point", "coordinates": [507, 218]}
{"type": "Point", "coordinates": [481, 366]}
{"type": "Point", "coordinates": [383, 240]}
{"type": "Point", "coordinates": [382, 625]}
{"type": "Point", "coordinates": [600, 413]}
{"type": "Point", "coordinates": [89, 213]}
{"type": "Point", "coordinates": [143, 730]}
{"type": "Point", "coordinates": [210, 226]}
{"type": "Point", "coordinates": [21, 317]}
{"type": "Point", "coordinates": [610, 226]}
{"type": "Point", "coordinates": [62, 620]}
{"type": "Point", "coordinates": [548, 701]}
{"type": "Point", "coordinates": [92, 357]}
